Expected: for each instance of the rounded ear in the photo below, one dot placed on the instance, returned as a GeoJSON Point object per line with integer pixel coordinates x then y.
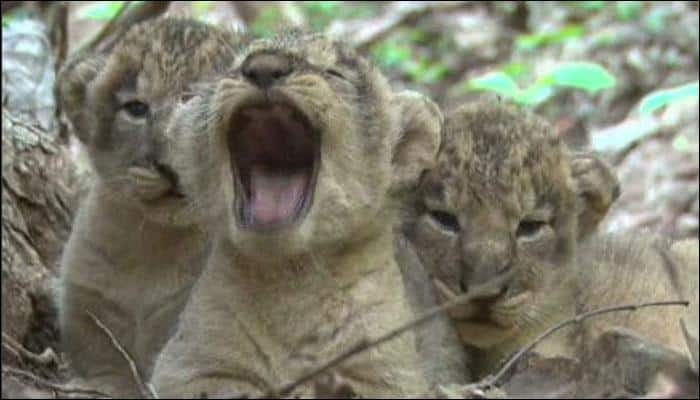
{"type": "Point", "coordinates": [597, 188]}
{"type": "Point", "coordinates": [71, 89]}
{"type": "Point", "coordinates": [416, 149]}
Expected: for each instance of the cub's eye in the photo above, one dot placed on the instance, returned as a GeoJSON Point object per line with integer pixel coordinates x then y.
{"type": "Point", "coordinates": [529, 228]}
{"type": "Point", "coordinates": [335, 73]}
{"type": "Point", "coordinates": [446, 220]}
{"type": "Point", "coordinates": [136, 109]}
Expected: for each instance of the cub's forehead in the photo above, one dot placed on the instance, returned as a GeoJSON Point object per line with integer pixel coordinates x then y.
{"type": "Point", "coordinates": [313, 48]}
{"type": "Point", "coordinates": [492, 149]}
{"type": "Point", "coordinates": [167, 54]}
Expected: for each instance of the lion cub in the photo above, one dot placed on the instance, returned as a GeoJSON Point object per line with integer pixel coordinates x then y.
{"type": "Point", "coordinates": [306, 146]}
{"type": "Point", "coordinates": [505, 206]}
{"type": "Point", "coordinates": [138, 241]}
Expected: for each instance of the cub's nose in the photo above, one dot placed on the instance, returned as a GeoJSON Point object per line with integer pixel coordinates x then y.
{"type": "Point", "coordinates": [263, 69]}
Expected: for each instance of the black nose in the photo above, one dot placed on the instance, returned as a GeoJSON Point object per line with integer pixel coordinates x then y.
{"type": "Point", "coordinates": [264, 69]}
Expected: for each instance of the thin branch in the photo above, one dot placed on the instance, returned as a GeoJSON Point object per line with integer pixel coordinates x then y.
{"type": "Point", "coordinates": [69, 389]}
{"type": "Point", "coordinates": [492, 380]}
{"type": "Point", "coordinates": [365, 344]}
{"type": "Point", "coordinates": [146, 391]}
{"type": "Point", "coordinates": [380, 27]}
{"type": "Point", "coordinates": [126, 17]}
{"type": "Point", "coordinates": [16, 348]}
{"type": "Point", "coordinates": [692, 344]}
{"type": "Point", "coordinates": [105, 31]}
{"type": "Point", "coordinates": [9, 5]}
{"type": "Point", "coordinates": [58, 22]}
{"type": "Point", "coordinates": [670, 265]}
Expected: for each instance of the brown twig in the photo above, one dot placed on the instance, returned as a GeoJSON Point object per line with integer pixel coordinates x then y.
{"type": "Point", "coordinates": [493, 379]}
{"type": "Point", "coordinates": [670, 266]}
{"type": "Point", "coordinates": [435, 311]}
{"type": "Point", "coordinates": [108, 28]}
{"type": "Point", "coordinates": [127, 16]}
{"type": "Point", "coordinates": [146, 390]}
{"type": "Point", "coordinates": [692, 344]}
{"type": "Point", "coordinates": [16, 348]}
{"type": "Point", "coordinates": [58, 31]}
{"type": "Point", "coordinates": [9, 5]}
{"type": "Point", "coordinates": [365, 344]}
{"type": "Point", "coordinates": [68, 389]}
{"type": "Point", "coordinates": [384, 25]}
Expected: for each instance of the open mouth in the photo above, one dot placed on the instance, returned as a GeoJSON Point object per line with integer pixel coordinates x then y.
{"type": "Point", "coordinates": [274, 160]}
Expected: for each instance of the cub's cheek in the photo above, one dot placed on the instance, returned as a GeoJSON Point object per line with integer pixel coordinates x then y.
{"type": "Point", "coordinates": [543, 247]}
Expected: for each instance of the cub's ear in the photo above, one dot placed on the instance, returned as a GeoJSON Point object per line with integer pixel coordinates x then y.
{"type": "Point", "coordinates": [597, 188]}
{"type": "Point", "coordinates": [71, 90]}
{"type": "Point", "coordinates": [421, 123]}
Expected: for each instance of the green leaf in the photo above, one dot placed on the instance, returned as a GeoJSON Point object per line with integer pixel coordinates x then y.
{"type": "Point", "coordinates": [497, 82]}
{"type": "Point", "coordinates": [392, 54]}
{"type": "Point", "coordinates": [661, 98]}
{"type": "Point", "coordinates": [628, 10]}
{"type": "Point", "coordinates": [591, 5]}
{"type": "Point", "coordinates": [266, 22]}
{"type": "Point", "coordinates": [516, 70]}
{"type": "Point", "coordinates": [656, 20]}
{"type": "Point", "coordinates": [7, 20]}
{"type": "Point", "coordinates": [590, 77]}
{"type": "Point", "coordinates": [101, 10]}
{"type": "Point", "coordinates": [535, 94]}
{"type": "Point", "coordinates": [434, 73]}
{"type": "Point", "coordinates": [201, 7]}
{"type": "Point", "coordinates": [681, 144]}
{"type": "Point", "coordinates": [529, 42]}
{"type": "Point", "coordinates": [624, 135]}
{"type": "Point", "coordinates": [532, 41]}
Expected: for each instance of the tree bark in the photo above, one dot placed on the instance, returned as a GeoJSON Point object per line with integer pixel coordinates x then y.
{"type": "Point", "coordinates": [39, 196]}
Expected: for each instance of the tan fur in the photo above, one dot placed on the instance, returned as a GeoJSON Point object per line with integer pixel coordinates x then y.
{"type": "Point", "coordinates": [270, 305]}
{"type": "Point", "coordinates": [636, 268]}
{"type": "Point", "coordinates": [498, 166]}
{"type": "Point", "coordinates": [502, 205]}
{"type": "Point", "coordinates": [597, 187]}
{"type": "Point", "coordinates": [137, 243]}
{"type": "Point", "coordinates": [442, 356]}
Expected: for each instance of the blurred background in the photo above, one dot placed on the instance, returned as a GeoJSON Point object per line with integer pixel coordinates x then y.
{"type": "Point", "coordinates": [620, 77]}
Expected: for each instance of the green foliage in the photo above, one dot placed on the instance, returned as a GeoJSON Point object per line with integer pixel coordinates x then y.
{"type": "Point", "coordinates": [628, 10]}
{"type": "Point", "coordinates": [426, 72]}
{"type": "Point", "coordinates": [321, 13]}
{"type": "Point", "coordinates": [587, 76]}
{"type": "Point", "coordinates": [625, 135]}
{"type": "Point", "coordinates": [497, 82]}
{"type": "Point", "coordinates": [398, 53]}
{"type": "Point", "coordinates": [535, 40]}
{"type": "Point", "coordinates": [579, 75]}
{"type": "Point", "coordinates": [201, 7]}
{"type": "Point", "coordinates": [7, 20]}
{"type": "Point", "coordinates": [391, 54]}
{"type": "Point", "coordinates": [102, 10]}
{"type": "Point", "coordinates": [516, 70]}
{"type": "Point", "coordinates": [661, 98]}
{"type": "Point", "coordinates": [655, 21]}
{"type": "Point", "coordinates": [591, 5]}
{"type": "Point", "coordinates": [682, 144]}
{"type": "Point", "coordinates": [267, 22]}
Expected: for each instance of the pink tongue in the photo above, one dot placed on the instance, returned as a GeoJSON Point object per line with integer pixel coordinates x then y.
{"type": "Point", "coordinates": [274, 195]}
